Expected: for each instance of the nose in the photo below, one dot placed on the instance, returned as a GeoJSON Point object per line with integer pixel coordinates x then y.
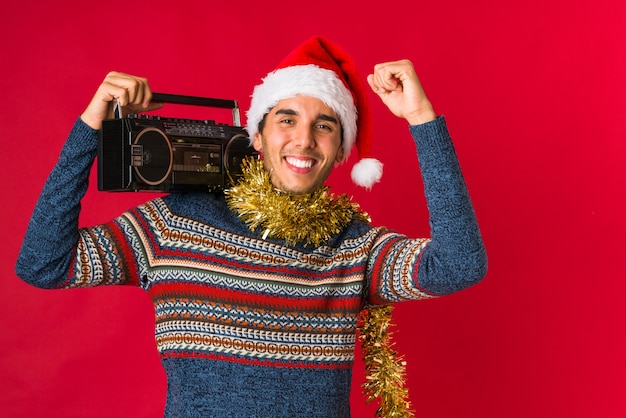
{"type": "Point", "coordinates": [304, 137]}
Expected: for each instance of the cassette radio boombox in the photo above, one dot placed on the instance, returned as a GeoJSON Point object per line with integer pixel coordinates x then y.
{"type": "Point", "coordinates": [154, 153]}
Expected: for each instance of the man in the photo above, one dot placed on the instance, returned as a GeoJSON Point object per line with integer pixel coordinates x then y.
{"type": "Point", "coordinates": [257, 290]}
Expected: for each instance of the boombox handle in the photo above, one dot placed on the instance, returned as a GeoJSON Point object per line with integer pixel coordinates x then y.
{"type": "Point", "coordinates": [195, 101]}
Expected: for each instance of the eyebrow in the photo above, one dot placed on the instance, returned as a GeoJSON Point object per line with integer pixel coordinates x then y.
{"type": "Point", "coordinates": [327, 118]}
{"type": "Point", "coordinates": [320, 116]}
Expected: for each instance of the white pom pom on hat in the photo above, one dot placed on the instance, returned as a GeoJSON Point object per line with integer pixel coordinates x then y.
{"type": "Point", "coordinates": [321, 69]}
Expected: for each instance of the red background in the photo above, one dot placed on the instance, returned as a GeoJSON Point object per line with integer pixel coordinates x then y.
{"type": "Point", "coordinates": [534, 95]}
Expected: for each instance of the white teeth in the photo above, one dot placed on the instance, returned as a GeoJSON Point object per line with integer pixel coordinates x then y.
{"type": "Point", "coordinates": [299, 163]}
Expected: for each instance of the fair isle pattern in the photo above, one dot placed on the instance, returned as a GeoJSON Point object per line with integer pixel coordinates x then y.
{"type": "Point", "coordinates": [395, 270]}
{"type": "Point", "coordinates": [186, 234]}
{"type": "Point", "coordinates": [255, 346]}
{"type": "Point", "coordinates": [95, 265]}
{"type": "Point", "coordinates": [134, 244]}
{"type": "Point", "coordinates": [255, 285]}
{"type": "Point", "coordinates": [221, 295]}
{"type": "Point", "coordinates": [233, 297]}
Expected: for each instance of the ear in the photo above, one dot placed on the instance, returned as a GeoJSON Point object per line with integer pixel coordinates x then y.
{"type": "Point", "coordinates": [339, 156]}
{"type": "Point", "coordinates": [258, 142]}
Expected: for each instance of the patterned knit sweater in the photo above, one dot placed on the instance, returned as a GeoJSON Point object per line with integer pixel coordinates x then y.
{"type": "Point", "coordinates": [245, 326]}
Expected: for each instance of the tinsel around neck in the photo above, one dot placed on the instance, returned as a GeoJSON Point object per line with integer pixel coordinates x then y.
{"type": "Point", "coordinates": [308, 219]}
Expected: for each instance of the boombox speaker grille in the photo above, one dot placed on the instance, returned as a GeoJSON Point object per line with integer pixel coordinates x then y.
{"type": "Point", "coordinates": [155, 164]}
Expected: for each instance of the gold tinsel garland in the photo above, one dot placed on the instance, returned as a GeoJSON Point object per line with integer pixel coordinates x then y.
{"type": "Point", "coordinates": [312, 219]}
{"type": "Point", "coordinates": [385, 368]}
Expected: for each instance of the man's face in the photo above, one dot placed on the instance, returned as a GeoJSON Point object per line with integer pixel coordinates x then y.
{"type": "Point", "coordinates": [300, 142]}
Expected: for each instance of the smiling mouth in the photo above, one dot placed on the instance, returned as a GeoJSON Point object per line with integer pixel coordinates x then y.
{"type": "Point", "coordinates": [300, 163]}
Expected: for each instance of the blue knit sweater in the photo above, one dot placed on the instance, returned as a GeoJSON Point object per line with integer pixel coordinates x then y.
{"type": "Point", "coordinates": [247, 326]}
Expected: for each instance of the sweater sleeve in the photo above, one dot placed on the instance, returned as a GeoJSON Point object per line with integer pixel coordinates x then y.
{"type": "Point", "coordinates": [454, 257]}
{"type": "Point", "coordinates": [55, 253]}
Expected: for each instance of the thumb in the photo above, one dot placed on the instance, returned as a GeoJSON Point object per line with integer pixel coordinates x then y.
{"type": "Point", "coordinates": [153, 106]}
{"type": "Point", "coordinates": [375, 88]}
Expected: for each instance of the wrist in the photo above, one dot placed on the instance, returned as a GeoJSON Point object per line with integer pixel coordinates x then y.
{"type": "Point", "coordinates": [95, 124]}
{"type": "Point", "coordinates": [423, 112]}
{"type": "Point", "coordinates": [421, 117]}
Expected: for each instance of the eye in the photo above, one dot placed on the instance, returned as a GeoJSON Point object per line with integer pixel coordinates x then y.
{"type": "Point", "coordinates": [325, 127]}
{"type": "Point", "coordinates": [287, 121]}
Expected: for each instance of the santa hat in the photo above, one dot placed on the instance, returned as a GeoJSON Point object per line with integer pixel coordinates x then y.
{"type": "Point", "coordinates": [321, 69]}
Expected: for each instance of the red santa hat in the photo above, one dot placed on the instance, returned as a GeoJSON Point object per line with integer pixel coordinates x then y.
{"type": "Point", "coordinates": [321, 69]}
